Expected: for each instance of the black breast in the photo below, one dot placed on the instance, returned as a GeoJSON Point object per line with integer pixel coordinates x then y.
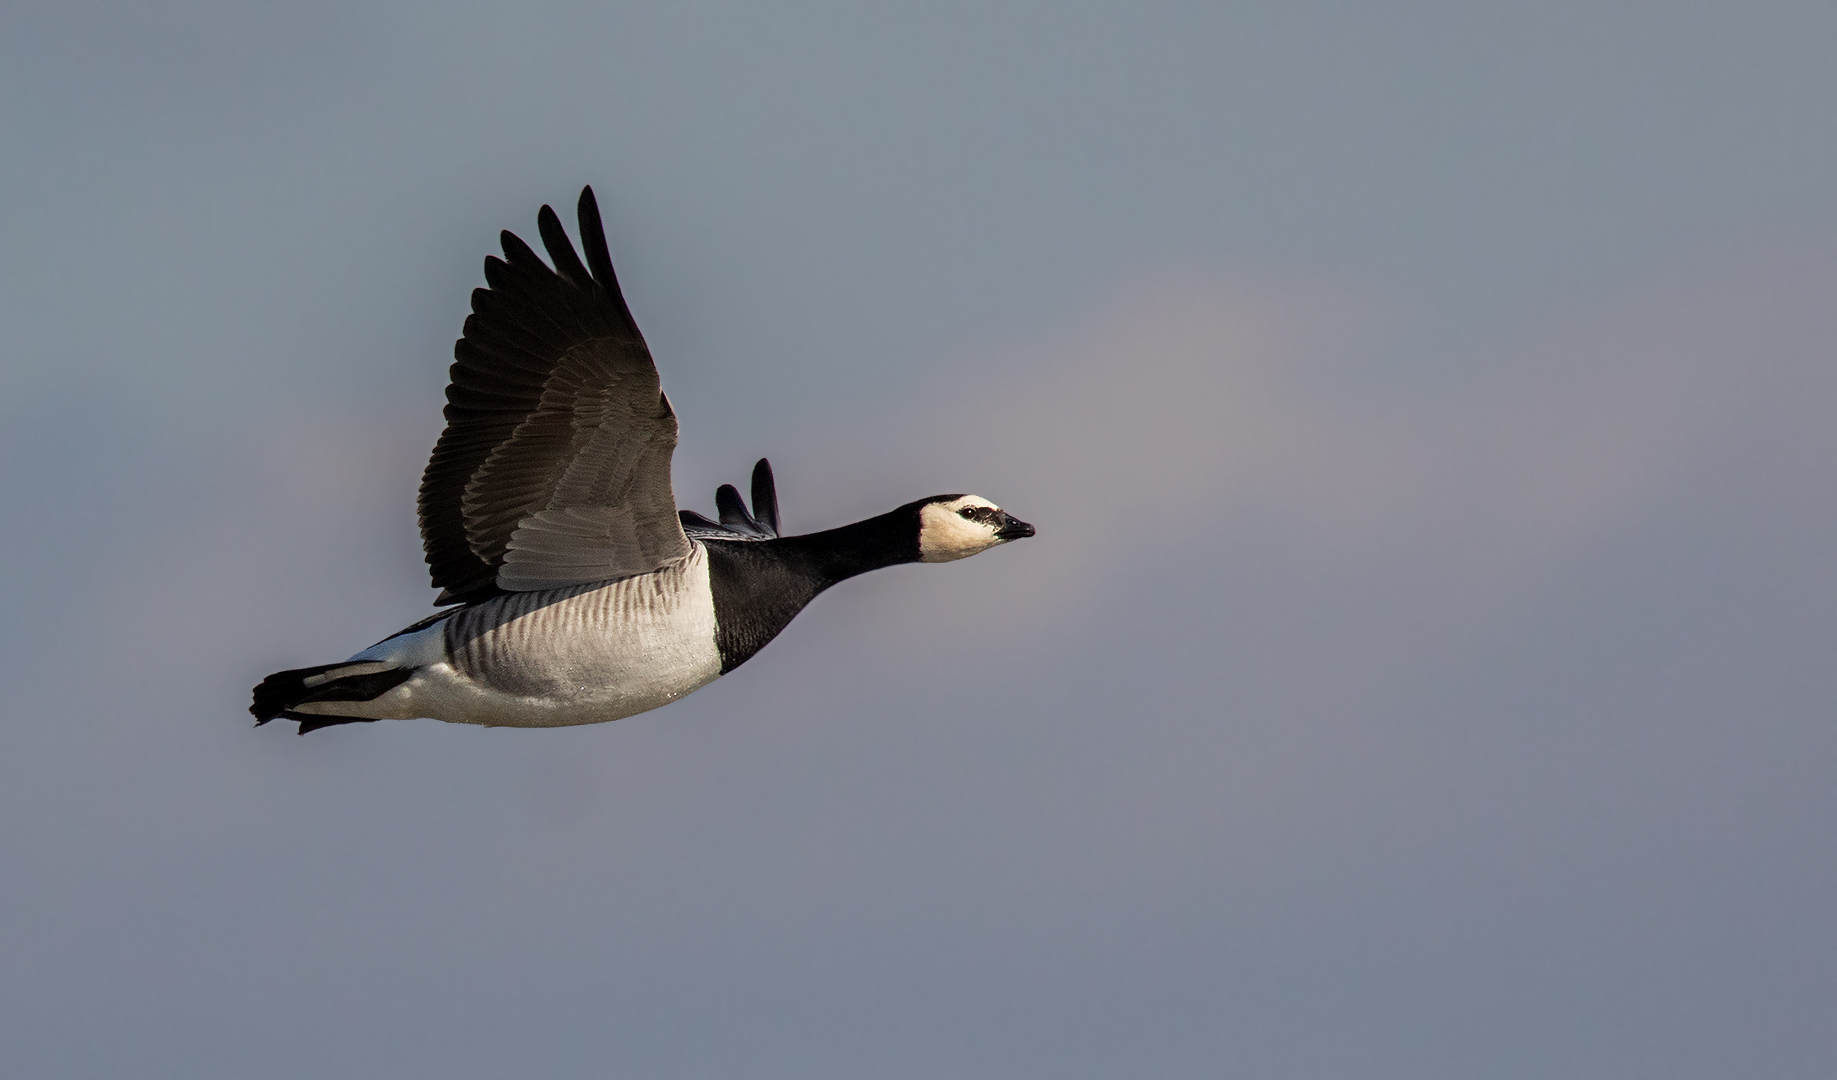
{"type": "Point", "coordinates": [758, 589]}
{"type": "Point", "coordinates": [760, 585]}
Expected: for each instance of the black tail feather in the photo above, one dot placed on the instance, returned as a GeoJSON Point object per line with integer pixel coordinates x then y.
{"type": "Point", "coordinates": [314, 721]}
{"type": "Point", "coordinates": [280, 693]}
{"type": "Point", "coordinates": [281, 689]}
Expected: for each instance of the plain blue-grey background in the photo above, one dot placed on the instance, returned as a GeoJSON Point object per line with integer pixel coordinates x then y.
{"type": "Point", "coordinates": [1423, 668]}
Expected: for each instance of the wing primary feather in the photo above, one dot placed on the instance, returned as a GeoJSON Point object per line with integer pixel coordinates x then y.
{"type": "Point", "coordinates": [495, 317]}
{"type": "Point", "coordinates": [765, 497]}
{"type": "Point", "coordinates": [497, 275]}
{"type": "Point", "coordinates": [593, 239]}
{"type": "Point", "coordinates": [561, 249]}
{"type": "Point", "coordinates": [542, 292]}
{"type": "Point", "coordinates": [732, 510]}
{"type": "Point", "coordinates": [510, 299]}
{"type": "Point", "coordinates": [521, 255]}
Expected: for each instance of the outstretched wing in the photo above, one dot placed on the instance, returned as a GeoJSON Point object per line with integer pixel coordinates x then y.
{"type": "Point", "coordinates": [554, 468]}
{"type": "Point", "coordinates": [736, 523]}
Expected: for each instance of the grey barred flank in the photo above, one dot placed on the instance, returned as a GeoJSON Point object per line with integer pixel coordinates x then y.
{"type": "Point", "coordinates": [536, 643]}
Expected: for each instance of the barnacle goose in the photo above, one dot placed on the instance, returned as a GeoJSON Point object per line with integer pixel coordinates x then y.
{"type": "Point", "coordinates": [583, 595]}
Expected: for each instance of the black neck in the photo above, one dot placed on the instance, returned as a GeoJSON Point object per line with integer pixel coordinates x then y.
{"type": "Point", "coordinates": [839, 554]}
{"type": "Point", "coordinates": [761, 585]}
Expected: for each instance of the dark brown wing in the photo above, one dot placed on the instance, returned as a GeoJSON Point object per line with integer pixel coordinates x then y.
{"type": "Point", "coordinates": [554, 468]}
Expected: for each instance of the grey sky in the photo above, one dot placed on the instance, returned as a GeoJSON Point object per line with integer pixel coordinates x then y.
{"type": "Point", "coordinates": [1421, 671]}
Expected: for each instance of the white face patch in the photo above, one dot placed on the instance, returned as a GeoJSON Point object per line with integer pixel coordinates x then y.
{"type": "Point", "coordinates": [946, 535]}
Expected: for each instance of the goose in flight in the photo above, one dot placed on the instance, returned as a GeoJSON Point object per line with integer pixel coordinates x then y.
{"type": "Point", "coordinates": [580, 593]}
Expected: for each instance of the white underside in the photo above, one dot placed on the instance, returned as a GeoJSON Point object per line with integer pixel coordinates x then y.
{"type": "Point", "coordinates": [581, 655]}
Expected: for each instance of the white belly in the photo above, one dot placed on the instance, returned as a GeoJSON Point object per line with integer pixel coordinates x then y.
{"type": "Point", "coordinates": [580, 655]}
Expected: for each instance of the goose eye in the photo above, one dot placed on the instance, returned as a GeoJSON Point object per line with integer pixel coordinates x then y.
{"type": "Point", "coordinates": [968, 512]}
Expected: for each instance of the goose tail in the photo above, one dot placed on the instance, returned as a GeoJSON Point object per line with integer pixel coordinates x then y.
{"type": "Point", "coordinates": [282, 693]}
